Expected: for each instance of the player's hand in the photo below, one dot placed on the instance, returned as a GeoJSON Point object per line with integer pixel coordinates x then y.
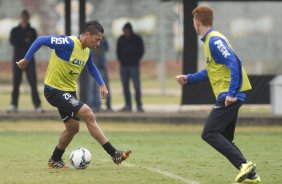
{"type": "Point", "coordinates": [103, 91]}
{"type": "Point", "coordinates": [22, 63]}
{"type": "Point", "coordinates": [181, 79]}
{"type": "Point", "coordinates": [230, 100]}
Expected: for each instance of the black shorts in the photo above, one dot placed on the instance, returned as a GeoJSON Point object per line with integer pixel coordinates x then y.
{"type": "Point", "coordinates": [66, 102]}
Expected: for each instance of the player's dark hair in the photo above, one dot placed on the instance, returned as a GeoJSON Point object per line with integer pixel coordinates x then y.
{"type": "Point", "coordinates": [93, 27]}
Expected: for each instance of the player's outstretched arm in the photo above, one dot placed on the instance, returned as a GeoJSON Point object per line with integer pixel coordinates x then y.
{"type": "Point", "coordinates": [192, 78]}
{"type": "Point", "coordinates": [62, 43]}
{"type": "Point", "coordinates": [22, 63]}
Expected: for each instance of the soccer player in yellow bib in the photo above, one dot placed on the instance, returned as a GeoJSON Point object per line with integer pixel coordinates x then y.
{"type": "Point", "coordinates": [70, 54]}
{"type": "Point", "coordinates": [229, 83]}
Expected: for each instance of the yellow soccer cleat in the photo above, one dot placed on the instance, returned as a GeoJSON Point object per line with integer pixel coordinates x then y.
{"type": "Point", "coordinates": [254, 180]}
{"type": "Point", "coordinates": [245, 170]}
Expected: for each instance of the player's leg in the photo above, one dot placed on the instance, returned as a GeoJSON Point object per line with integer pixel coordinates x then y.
{"type": "Point", "coordinates": [65, 103]}
{"type": "Point", "coordinates": [229, 131]}
{"type": "Point", "coordinates": [247, 172]}
{"type": "Point", "coordinates": [216, 123]}
{"type": "Point", "coordinates": [214, 131]}
{"type": "Point", "coordinates": [71, 108]}
{"type": "Point", "coordinates": [71, 129]}
{"type": "Point", "coordinates": [250, 177]}
{"type": "Point", "coordinates": [87, 115]}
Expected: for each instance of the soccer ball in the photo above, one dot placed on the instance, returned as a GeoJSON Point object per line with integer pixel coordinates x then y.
{"type": "Point", "coordinates": [80, 158]}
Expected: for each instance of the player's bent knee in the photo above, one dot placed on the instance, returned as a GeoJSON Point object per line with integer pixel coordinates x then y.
{"type": "Point", "coordinates": [86, 114]}
{"type": "Point", "coordinates": [207, 136]}
{"type": "Point", "coordinates": [89, 116]}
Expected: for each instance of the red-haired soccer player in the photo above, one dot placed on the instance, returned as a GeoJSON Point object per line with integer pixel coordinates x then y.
{"type": "Point", "coordinates": [229, 82]}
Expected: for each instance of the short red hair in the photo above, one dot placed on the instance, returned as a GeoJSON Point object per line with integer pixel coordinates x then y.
{"type": "Point", "coordinates": [204, 14]}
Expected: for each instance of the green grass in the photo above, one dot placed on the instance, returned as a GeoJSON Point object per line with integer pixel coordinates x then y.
{"type": "Point", "coordinates": [158, 149]}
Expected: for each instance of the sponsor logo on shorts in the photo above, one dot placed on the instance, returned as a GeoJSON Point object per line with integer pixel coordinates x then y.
{"type": "Point", "coordinates": [73, 101]}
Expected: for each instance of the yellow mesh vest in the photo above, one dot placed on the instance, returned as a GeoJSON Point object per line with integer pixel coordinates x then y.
{"type": "Point", "coordinates": [63, 74]}
{"type": "Point", "coordinates": [219, 74]}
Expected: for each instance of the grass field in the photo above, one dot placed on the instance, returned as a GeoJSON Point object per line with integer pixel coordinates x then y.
{"type": "Point", "coordinates": [162, 154]}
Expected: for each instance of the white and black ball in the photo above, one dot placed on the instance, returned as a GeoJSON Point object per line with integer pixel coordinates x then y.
{"type": "Point", "coordinates": [80, 158]}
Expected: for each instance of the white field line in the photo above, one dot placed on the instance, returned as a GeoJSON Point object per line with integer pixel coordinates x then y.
{"type": "Point", "coordinates": [158, 171]}
{"type": "Point", "coordinates": [155, 170]}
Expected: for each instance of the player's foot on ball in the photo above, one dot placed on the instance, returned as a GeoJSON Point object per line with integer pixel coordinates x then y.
{"type": "Point", "coordinates": [59, 164]}
{"type": "Point", "coordinates": [245, 170]}
{"type": "Point", "coordinates": [121, 156]}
